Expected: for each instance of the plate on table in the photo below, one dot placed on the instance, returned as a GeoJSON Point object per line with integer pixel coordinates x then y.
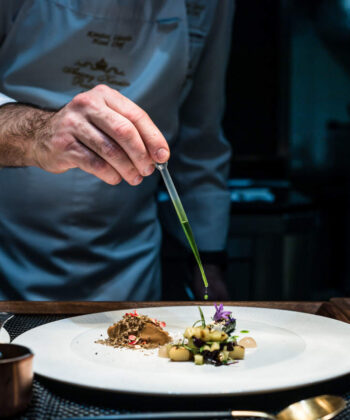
{"type": "Point", "coordinates": [4, 336]}
{"type": "Point", "coordinates": [294, 349]}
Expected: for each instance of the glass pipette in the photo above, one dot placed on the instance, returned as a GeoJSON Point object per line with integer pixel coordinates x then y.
{"type": "Point", "coordinates": [163, 169]}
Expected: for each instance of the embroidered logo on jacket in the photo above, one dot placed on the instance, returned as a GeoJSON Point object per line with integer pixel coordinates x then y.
{"type": "Point", "coordinates": [88, 74]}
{"type": "Point", "coordinates": [109, 40]}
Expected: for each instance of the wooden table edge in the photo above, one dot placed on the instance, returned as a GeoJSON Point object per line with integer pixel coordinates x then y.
{"type": "Point", "coordinates": [85, 307]}
{"type": "Point", "coordinates": [343, 304]}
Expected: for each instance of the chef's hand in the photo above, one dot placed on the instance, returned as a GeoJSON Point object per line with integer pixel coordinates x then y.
{"type": "Point", "coordinates": [217, 289]}
{"type": "Point", "coordinates": [100, 131]}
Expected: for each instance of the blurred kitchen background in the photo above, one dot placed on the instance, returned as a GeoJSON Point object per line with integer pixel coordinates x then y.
{"type": "Point", "coordinates": [288, 119]}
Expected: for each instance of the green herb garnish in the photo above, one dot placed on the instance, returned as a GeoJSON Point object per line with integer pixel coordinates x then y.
{"type": "Point", "coordinates": [202, 317]}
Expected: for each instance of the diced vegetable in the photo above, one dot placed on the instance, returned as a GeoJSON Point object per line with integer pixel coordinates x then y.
{"type": "Point", "coordinates": [198, 359]}
{"type": "Point", "coordinates": [215, 346]}
{"type": "Point", "coordinates": [218, 336]}
{"type": "Point", "coordinates": [205, 334]}
{"type": "Point", "coordinates": [237, 352]}
{"type": "Point", "coordinates": [226, 354]}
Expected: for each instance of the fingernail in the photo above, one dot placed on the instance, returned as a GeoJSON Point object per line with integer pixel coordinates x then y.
{"type": "Point", "coordinates": [162, 155]}
{"type": "Point", "coordinates": [138, 179]}
{"type": "Point", "coordinates": [148, 170]}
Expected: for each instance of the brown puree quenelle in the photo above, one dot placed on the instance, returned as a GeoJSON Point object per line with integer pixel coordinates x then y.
{"type": "Point", "coordinates": [137, 331]}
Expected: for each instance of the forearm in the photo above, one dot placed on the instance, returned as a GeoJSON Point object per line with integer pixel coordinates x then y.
{"type": "Point", "coordinates": [20, 126]}
{"type": "Point", "coordinates": [99, 131]}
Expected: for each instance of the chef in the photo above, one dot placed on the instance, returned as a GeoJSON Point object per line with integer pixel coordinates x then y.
{"type": "Point", "coordinates": [92, 94]}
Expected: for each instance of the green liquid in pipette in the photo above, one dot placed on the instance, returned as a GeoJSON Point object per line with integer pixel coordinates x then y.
{"type": "Point", "coordinates": [183, 220]}
{"type": "Point", "coordinates": [189, 235]}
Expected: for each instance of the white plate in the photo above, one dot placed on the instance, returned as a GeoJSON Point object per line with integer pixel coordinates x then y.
{"type": "Point", "coordinates": [4, 336]}
{"type": "Point", "coordinates": [294, 349]}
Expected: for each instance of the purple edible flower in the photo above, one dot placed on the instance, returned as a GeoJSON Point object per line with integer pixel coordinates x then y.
{"type": "Point", "coordinates": [230, 320]}
{"type": "Point", "coordinates": [220, 314]}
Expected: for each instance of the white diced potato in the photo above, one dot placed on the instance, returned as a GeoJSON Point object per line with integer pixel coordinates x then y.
{"type": "Point", "coordinates": [189, 332]}
{"type": "Point", "coordinates": [198, 332]}
{"type": "Point", "coordinates": [218, 336]}
{"type": "Point", "coordinates": [205, 334]}
{"type": "Point", "coordinates": [215, 346]}
{"type": "Point", "coordinates": [198, 359]}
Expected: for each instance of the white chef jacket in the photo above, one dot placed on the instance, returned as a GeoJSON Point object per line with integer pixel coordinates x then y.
{"type": "Point", "coordinates": [72, 236]}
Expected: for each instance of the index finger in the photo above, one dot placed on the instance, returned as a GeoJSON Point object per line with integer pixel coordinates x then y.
{"type": "Point", "coordinates": [154, 140]}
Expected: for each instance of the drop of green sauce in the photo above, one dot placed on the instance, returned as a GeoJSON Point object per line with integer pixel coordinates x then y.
{"type": "Point", "coordinates": [245, 331]}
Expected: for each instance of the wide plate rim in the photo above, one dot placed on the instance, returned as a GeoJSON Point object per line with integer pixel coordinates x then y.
{"type": "Point", "coordinates": [4, 336]}
{"type": "Point", "coordinates": [192, 394]}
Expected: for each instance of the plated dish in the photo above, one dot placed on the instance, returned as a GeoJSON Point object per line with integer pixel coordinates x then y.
{"type": "Point", "coordinates": [212, 342]}
{"type": "Point", "coordinates": [294, 349]}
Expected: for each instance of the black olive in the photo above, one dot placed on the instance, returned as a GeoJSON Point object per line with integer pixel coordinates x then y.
{"type": "Point", "coordinates": [205, 354]}
{"type": "Point", "coordinates": [198, 342]}
{"type": "Point", "coordinates": [229, 346]}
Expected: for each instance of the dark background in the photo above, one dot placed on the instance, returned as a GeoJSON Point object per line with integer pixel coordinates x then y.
{"type": "Point", "coordinates": [288, 96]}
